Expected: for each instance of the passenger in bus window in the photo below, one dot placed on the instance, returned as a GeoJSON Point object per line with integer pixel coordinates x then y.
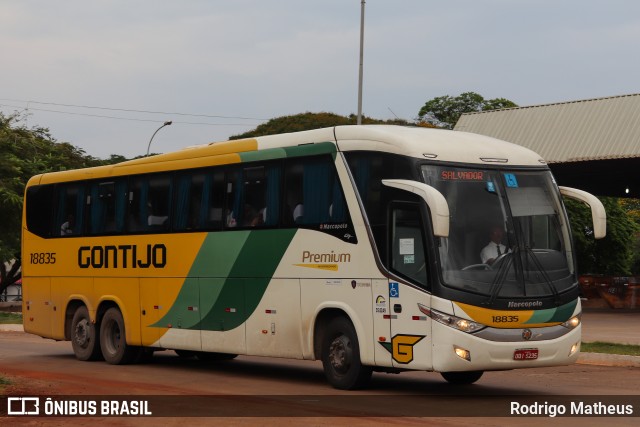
{"type": "Point", "coordinates": [66, 228]}
{"type": "Point", "coordinates": [494, 248]}
{"type": "Point", "coordinates": [298, 213]}
{"type": "Point", "coordinates": [231, 220]}
{"type": "Point", "coordinates": [250, 216]}
{"type": "Point", "coordinates": [155, 220]}
{"type": "Point", "coordinates": [260, 219]}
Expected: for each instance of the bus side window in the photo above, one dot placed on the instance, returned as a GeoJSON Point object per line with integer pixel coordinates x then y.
{"type": "Point", "coordinates": [313, 192]}
{"type": "Point", "coordinates": [255, 196]}
{"type": "Point", "coordinates": [70, 202]}
{"type": "Point", "coordinates": [199, 199]}
{"type": "Point", "coordinates": [213, 198]}
{"type": "Point", "coordinates": [106, 207]}
{"type": "Point", "coordinates": [293, 200]}
{"type": "Point", "coordinates": [188, 201]}
{"type": "Point", "coordinates": [233, 205]}
{"type": "Point", "coordinates": [149, 203]}
{"type": "Point", "coordinates": [39, 205]}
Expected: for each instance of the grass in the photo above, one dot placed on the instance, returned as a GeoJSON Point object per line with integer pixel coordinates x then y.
{"type": "Point", "coordinates": [4, 382]}
{"type": "Point", "coordinates": [610, 348]}
{"type": "Point", "coordinates": [10, 318]}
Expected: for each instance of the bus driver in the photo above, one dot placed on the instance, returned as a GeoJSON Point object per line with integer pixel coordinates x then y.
{"type": "Point", "coordinates": [495, 248]}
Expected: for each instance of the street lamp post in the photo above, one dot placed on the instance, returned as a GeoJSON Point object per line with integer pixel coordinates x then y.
{"type": "Point", "coordinates": [167, 123]}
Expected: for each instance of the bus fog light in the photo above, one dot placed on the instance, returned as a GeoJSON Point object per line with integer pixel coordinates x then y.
{"type": "Point", "coordinates": [574, 348]}
{"type": "Point", "coordinates": [462, 353]}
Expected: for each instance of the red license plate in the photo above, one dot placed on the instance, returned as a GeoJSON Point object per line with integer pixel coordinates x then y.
{"type": "Point", "coordinates": [525, 354]}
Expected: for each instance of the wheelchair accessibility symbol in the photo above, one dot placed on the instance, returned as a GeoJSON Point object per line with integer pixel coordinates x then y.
{"type": "Point", "coordinates": [394, 291]}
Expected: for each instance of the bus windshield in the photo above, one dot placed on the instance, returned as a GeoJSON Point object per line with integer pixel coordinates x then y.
{"type": "Point", "coordinates": [508, 237]}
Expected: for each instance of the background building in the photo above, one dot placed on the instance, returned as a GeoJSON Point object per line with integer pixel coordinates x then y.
{"type": "Point", "coordinates": [592, 144]}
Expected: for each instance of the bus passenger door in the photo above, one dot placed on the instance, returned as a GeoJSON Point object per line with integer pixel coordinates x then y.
{"type": "Point", "coordinates": [410, 345]}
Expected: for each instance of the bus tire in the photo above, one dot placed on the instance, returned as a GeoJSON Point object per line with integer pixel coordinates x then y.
{"type": "Point", "coordinates": [113, 342]}
{"type": "Point", "coordinates": [84, 336]}
{"type": "Point", "coordinates": [341, 356]}
{"type": "Point", "coordinates": [462, 378]}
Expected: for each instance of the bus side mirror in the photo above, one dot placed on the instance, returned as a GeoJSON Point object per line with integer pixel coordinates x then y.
{"type": "Point", "coordinates": [598, 214]}
{"type": "Point", "coordinates": [433, 198]}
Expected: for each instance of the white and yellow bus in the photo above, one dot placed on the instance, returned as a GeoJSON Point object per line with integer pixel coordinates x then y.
{"type": "Point", "coordinates": [356, 245]}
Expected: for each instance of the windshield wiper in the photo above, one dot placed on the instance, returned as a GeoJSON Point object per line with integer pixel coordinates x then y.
{"type": "Point", "coordinates": [505, 265]}
{"type": "Point", "coordinates": [499, 279]}
{"type": "Point", "coordinates": [544, 274]}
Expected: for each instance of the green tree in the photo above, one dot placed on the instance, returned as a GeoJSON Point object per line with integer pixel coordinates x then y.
{"type": "Point", "coordinates": [613, 255]}
{"type": "Point", "coordinates": [24, 153]}
{"type": "Point", "coordinates": [309, 121]}
{"type": "Point", "coordinates": [444, 111]}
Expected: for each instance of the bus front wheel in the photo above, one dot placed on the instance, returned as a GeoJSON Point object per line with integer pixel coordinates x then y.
{"type": "Point", "coordinates": [84, 336]}
{"type": "Point", "coordinates": [341, 356]}
{"type": "Point", "coordinates": [469, 377]}
{"type": "Point", "coordinates": [113, 341]}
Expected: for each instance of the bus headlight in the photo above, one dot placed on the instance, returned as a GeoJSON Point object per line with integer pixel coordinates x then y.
{"type": "Point", "coordinates": [573, 322]}
{"type": "Point", "coordinates": [452, 321]}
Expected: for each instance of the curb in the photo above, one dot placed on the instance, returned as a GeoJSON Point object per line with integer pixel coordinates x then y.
{"type": "Point", "coordinates": [11, 328]}
{"type": "Point", "coordinates": [602, 359]}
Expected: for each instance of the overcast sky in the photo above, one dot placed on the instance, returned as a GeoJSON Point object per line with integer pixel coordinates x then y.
{"type": "Point", "coordinates": [251, 60]}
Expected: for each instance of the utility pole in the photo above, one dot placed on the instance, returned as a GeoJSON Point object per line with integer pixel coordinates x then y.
{"type": "Point", "coordinates": [359, 122]}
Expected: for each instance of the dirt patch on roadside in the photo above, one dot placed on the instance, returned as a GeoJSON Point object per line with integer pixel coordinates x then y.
{"type": "Point", "coordinates": [22, 386]}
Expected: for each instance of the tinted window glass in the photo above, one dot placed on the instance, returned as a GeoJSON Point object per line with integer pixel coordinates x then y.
{"type": "Point", "coordinates": [106, 206]}
{"type": "Point", "coordinates": [39, 205]}
{"type": "Point", "coordinates": [70, 203]}
{"type": "Point", "coordinates": [149, 203]}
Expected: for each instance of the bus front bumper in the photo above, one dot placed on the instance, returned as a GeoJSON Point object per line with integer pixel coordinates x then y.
{"type": "Point", "coordinates": [454, 350]}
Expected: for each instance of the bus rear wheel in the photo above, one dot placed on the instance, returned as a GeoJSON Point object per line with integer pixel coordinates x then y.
{"type": "Point", "coordinates": [113, 341]}
{"type": "Point", "coordinates": [341, 356]}
{"type": "Point", "coordinates": [84, 336]}
{"type": "Point", "coordinates": [469, 377]}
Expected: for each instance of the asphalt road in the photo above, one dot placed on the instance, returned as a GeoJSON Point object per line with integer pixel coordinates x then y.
{"type": "Point", "coordinates": [254, 388]}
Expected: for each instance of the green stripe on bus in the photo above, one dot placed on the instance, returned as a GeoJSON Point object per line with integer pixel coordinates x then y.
{"type": "Point", "coordinates": [228, 279]}
{"type": "Point", "coordinates": [311, 149]}
{"type": "Point", "coordinates": [295, 151]}
{"type": "Point", "coordinates": [558, 314]}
